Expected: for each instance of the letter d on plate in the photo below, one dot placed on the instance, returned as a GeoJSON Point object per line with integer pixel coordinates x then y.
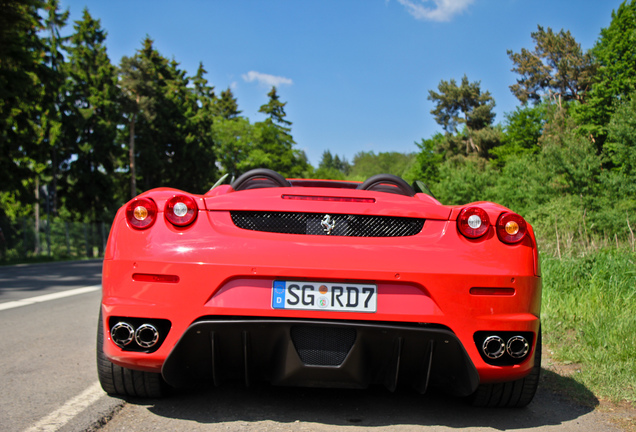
{"type": "Point", "coordinates": [278, 295]}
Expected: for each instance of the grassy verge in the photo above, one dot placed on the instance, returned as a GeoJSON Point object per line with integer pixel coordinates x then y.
{"type": "Point", "coordinates": [589, 319]}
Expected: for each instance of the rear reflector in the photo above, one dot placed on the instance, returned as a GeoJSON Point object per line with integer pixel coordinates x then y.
{"type": "Point", "coordinates": [145, 277]}
{"type": "Point", "coordinates": [493, 291]}
{"type": "Point", "coordinates": [324, 198]}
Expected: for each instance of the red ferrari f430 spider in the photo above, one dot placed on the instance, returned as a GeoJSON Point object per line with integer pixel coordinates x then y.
{"type": "Point", "coordinates": [320, 283]}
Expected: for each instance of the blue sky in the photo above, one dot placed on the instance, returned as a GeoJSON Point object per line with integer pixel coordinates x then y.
{"type": "Point", "coordinates": [355, 73]}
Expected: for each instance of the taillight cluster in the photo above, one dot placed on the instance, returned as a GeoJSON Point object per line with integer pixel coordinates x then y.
{"type": "Point", "coordinates": [511, 228]}
{"type": "Point", "coordinates": [141, 213]}
{"type": "Point", "coordinates": [474, 222]}
{"type": "Point", "coordinates": [180, 211]}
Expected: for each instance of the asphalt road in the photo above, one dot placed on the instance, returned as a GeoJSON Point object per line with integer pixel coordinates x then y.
{"type": "Point", "coordinates": [48, 347]}
{"type": "Point", "coordinates": [48, 381]}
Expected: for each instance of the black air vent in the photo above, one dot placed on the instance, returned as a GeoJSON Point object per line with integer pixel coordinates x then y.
{"type": "Point", "coordinates": [327, 224]}
{"type": "Point", "coordinates": [322, 346]}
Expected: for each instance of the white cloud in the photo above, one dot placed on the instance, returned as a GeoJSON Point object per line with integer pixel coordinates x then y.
{"type": "Point", "coordinates": [444, 10]}
{"type": "Point", "coordinates": [269, 80]}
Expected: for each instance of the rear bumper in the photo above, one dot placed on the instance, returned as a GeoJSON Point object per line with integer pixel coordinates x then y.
{"type": "Point", "coordinates": [422, 301]}
{"type": "Point", "coordinates": [321, 354]}
{"type": "Point", "coordinates": [225, 272]}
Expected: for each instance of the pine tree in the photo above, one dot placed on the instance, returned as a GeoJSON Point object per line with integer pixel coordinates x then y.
{"type": "Point", "coordinates": [52, 116]}
{"type": "Point", "coordinates": [557, 68]}
{"type": "Point", "coordinates": [29, 110]}
{"type": "Point", "coordinates": [332, 167]}
{"type": "Point", "coordinates": [138, 99]}
{"type": "Point", "coordinates": [227, 106]}
{"type": "Point", "coordinates": [203, 92]}
{"type": "Point", "coordinates": [22, 70]}
{"type": "Point", "coordinates": [154, 130]}
{"type": "Point", "coordinates": [169, 122]}
{"type": "Point", "coordinates": [91, 123]}
{"type": "Point", "coordinates": [275, 109]}
{"type": "Point", "coordinates": [274, 142]}
{"type": "Point", "coordinates": [202, 120]}
{"type": "Point", "coordinates": [190, 162]}
{"type": "Point", "coordinates": [276, 130]}
{"type": "Point", "coordinates": [142, 80]}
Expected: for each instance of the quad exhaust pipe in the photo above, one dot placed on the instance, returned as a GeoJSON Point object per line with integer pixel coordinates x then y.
{"type": "Point", "coordinates": [122, 334]}
{"type": "Point", "coordinates": [517, 347]}
{"type": "Point", "coordinates": [146, 335]}
{"type": "Point", "coordinates": [495, 347]}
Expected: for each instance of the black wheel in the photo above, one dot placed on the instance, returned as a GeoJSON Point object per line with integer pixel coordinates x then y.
{"type": "Point", "coordinates": [387, 183]}
{"type": "Point", "coordinates": [120, 381]}
{"type": "Point", "coordinates": [259, 178]}
{"type": "Point", "coordinates": [513, 394]}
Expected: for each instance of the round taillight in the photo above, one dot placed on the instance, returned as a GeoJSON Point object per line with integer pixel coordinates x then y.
{"type": "Point", "coordinates": [181, 210]}
{"type": "Point", "coordinates": [473, 222]}
{"type": "Point", "coordinates": [511, 228]}
{"type": "Point", "coordinates": [141, 213]}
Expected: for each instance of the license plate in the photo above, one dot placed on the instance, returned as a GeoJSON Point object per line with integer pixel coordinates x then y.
{"type": "Point", "coordinates": [340, 297]}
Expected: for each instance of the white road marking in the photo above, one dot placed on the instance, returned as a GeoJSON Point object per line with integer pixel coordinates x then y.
{"type": "Point", "coordinates": [70, 409]}
{"type": "Point", "coordinates": [48, 297]}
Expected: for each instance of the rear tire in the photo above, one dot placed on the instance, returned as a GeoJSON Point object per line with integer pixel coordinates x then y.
{"type": "Point", "coordinates": [120, 381]}
{"type": "Point", "coordinates": [513, 394]}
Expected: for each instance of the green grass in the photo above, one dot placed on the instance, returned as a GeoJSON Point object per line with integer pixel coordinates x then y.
{"type": "Point", "coordinates": [589, 318]}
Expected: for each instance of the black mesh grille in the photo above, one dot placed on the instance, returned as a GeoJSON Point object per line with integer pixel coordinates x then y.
{"type": "Point", "coordinates": [319, 223]}
{"type": "Point", "coordinates": [323, 346]}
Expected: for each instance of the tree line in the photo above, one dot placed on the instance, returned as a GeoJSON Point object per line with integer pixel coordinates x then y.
{"type": "Point", "coordinates": [88, 135]}
{"type": "Point", "coordinates": [84, 135]}
{"type": "Point", "coordinates": [565, 158]}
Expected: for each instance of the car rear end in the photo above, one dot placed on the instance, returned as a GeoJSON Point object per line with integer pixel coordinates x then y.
{"type": "Point", "coordinates": [321, 284]}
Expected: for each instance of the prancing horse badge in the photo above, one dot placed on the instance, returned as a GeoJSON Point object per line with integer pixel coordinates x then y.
{"type": "Point", "coordinates": [328, 224]}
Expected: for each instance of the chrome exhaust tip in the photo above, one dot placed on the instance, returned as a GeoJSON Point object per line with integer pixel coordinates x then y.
{"type": "Point", "coordinates": [146, 336]}
{"type": "Point", "coordinates": [517, 347]}
{"type": "Point", "coordinates": [493, 347]}
{"type": "Point", "coordinates": [122, 334]}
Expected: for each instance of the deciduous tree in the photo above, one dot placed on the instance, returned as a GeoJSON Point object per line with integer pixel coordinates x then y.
{"type": "Point", "coordinates": [366, 164]}
{"type": "Point", "coordinates": [522, 130]}
{"type": "Point", "coordinates": [615, 79]}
